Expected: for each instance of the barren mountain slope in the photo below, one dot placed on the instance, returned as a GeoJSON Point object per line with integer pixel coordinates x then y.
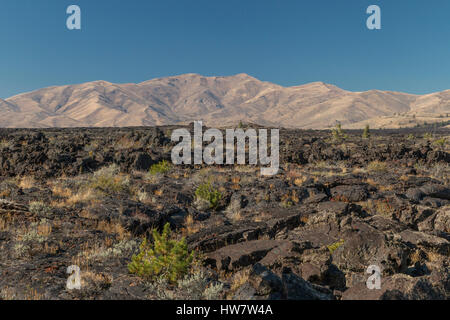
{"type": "Point", "coordinates": [217, 101]}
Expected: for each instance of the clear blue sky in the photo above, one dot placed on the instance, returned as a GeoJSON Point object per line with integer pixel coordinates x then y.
{"type": "Point", "coordinates": [285, 42]}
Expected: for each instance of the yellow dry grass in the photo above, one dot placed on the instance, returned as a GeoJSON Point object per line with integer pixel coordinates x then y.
{"type": "Point", "coordinates": [113, 228]}
{"type": "Point", "coordinates": [26, 182]}
{"type": "Point", "coordinates": [87, 195]}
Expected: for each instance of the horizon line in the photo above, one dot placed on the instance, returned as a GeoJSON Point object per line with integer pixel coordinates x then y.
{"type": "Point", "coordinates": [218, 76]}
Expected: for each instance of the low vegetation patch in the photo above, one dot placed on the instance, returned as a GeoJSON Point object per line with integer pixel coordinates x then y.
{"type": "Point", "coordinates": [428, 136]}
{"type": "Point", "coordinates": [40, 208]}
{"type": "Point", "coordinates": [109, 180]}
{"type": "Point", "coordinates": [366, 132]}
{"type": "Point", "coordinates": [377, 166]}
{"type": "Point", "coordinates": [162, 167]}
{"type": "Point", "coordinates": [117, 250]}
{"type": "Point", "coordinates": [338, 134]}
{"type": "Point", "coordinates": [4, 144]}
{"type": "Point", "coordinates": [194, 286]}
{"type": "Point", "coordinates": [440, 142]}
{"type": "Point", "coordinates": [208, 193]}
{"type": "Point", "coordinates": [164, 258]}
{"type": "Point", "coordinates": [333, 247]}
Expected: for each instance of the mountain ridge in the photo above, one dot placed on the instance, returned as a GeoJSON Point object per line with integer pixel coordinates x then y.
{"type": "Point", "coordinates": [218, 101]}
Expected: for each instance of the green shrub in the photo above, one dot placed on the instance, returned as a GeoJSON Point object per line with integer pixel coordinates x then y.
{"type": "Point", "coordinates": [333, 247]}
{"type": "Point", "coordinates": [366, 132]}
{"type": "Point", "coordinates": [428, 136]}
{"type": "Point", "coordinates": [161, 167]}
{"type": "Point", "coordinates": [109, 180]}
{"type": "Point", "coordinates": [440, 142]}
{"type": "Point", "coordinates": [164, 258]}
{"type": "Point", "coordinates": [338, 134]}
{"type": "Point", "coordinates": [207, 192]}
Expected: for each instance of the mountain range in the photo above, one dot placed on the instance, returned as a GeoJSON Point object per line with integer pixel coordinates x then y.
{"type": "Point", "coordinates": [219, 101]}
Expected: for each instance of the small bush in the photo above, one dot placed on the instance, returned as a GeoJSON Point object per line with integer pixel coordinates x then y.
{"type": "Point", "coordinates": [161, 167]}
{"type": "Point", "coordinates": [377, 166]}
{"type": "Point", "coordinates": [39, 207]}
{"type": "Point", "coordinates": [428, 136]}
{"type": "Point", "coordinates": [21, 249]}
{"type": "Point", "coordinates": [109, 171]}
{"type": "Point", "coordinates": [366, 132]}
{"type": "Point", "coordinates": [207, 192]}
{"type": "Point", "coordinates": [33, 236]}
{"type": "Point", "coordinates": [194, 286]}
{"type": "Point", "coordinates": [338, 134]}
{"type": "Point", "coordinates": [109, 180]}
{"type": "Point", "coordinates": [118, 250]}
{"type": "Point", "coordinates": [4, 144]}
{"type": "Point", "coordinates": [37, 232]}
{"type": "Point", "coordinates": [164, 258]}
{"type": "Point", "coordinates": [440, 171]}
{"type": "Point", "coordinates": [142, 196]}
{"type": "Point", "coordinates": [440, 142]}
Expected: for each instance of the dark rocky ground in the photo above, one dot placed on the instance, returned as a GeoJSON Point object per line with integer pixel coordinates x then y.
{"type": "Point", "coordinates": [86, 197]}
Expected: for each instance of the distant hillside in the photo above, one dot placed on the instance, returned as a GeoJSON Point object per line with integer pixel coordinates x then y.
{"type": "Point", "coordinates": [219, 101]}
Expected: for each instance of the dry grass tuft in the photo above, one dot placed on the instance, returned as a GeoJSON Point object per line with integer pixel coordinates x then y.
{"type": "Point", "coordinates": [113, 228]}
{"type": "Point", "coordinates": [239, 279]}
{"type": "Point", "coordinates": [62, 192]}
{"type": "Point", "coordinates": [87, 195]}
{"type": "Point", "coordinates": [26, 182]}
{"type": "Point", "coordinates": [192, 226]}
{"type": "Point", "coordinates": [377, 166]}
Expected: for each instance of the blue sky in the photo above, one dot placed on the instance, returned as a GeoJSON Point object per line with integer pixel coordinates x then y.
{"type": "Point", "coordinates": [285, 42]}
